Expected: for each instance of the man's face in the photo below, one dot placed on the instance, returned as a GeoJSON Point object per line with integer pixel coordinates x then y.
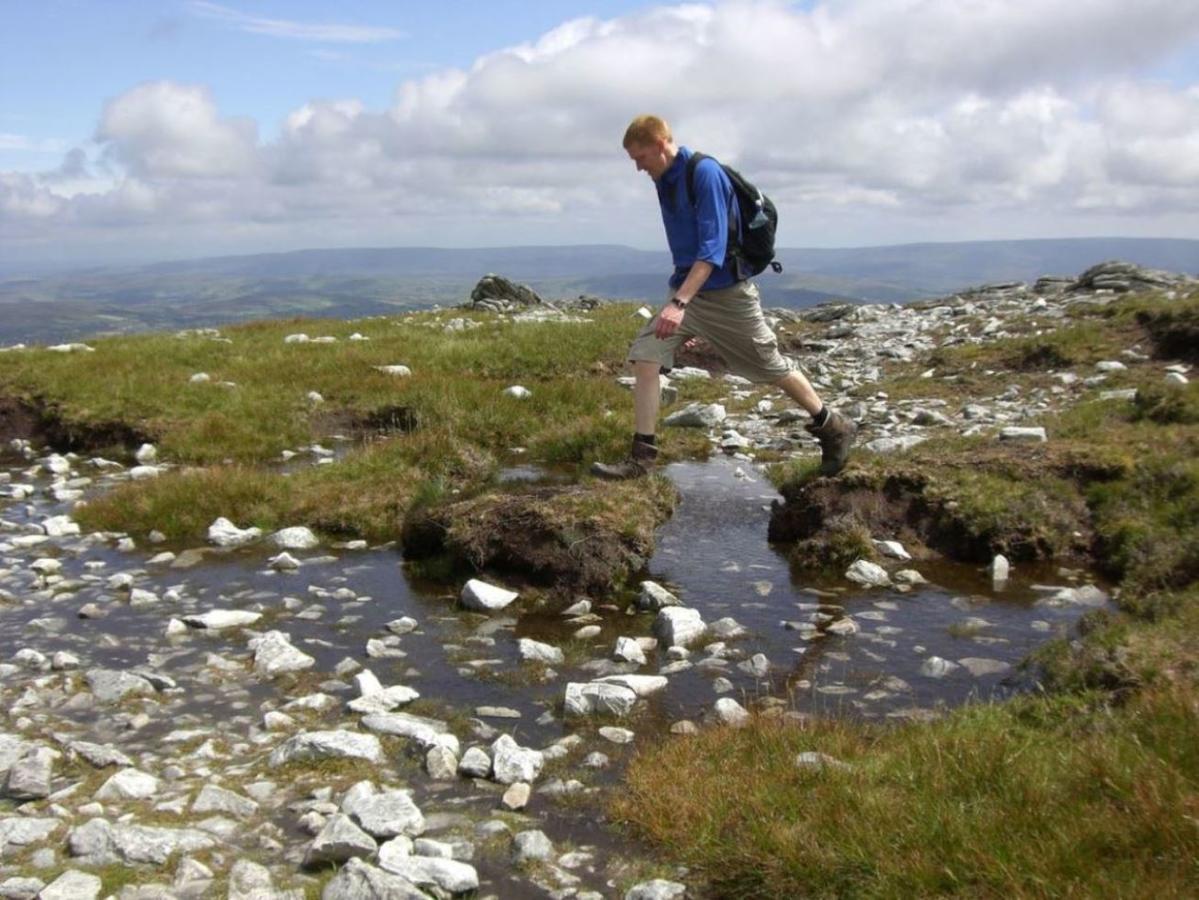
{"type": "Point", "coordinates": [653, 158]}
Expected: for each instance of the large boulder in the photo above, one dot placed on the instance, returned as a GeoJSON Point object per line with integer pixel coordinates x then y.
{"type": "Point", "coordinates": [495, 292]}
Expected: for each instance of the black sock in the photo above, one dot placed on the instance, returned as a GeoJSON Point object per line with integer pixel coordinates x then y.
{"type": "Point", "coordinates": [821, 417]}
{"type": "Point", "coordinates": [645, 438]}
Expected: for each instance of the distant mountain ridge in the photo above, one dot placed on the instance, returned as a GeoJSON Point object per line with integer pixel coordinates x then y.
{"type": "Point", "coordinates": [349, 283]}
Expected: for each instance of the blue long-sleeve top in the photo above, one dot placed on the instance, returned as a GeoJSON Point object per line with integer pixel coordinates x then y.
{"type": "Point", "coordinates": [700, 232]}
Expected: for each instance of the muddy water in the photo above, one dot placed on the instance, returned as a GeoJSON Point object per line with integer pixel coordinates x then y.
{"type": "Point", "coordinates": [713, 554]}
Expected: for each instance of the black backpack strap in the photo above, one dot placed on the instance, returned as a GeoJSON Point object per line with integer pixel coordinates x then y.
{"type": "Point", "coordinates": [689, 174]}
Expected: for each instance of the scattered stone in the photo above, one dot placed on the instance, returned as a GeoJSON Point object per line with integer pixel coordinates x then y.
{"type": "Point", "coordinates": [869, 574]}
{"type": "Point", "coordinates": [658, 889]}
{"type": "Point", "coordinates": [339, 841]}
{"type": "Point", "coordinates": [483, 597]}
{"type": "Point", "coordinates": [814, 760]}
{"type": "Point", "coordinates": [535, 651]}
{"type": "Point", "coordinates": [318, 745]}
{"type": "Point", "coordinates": [218, 619]}
{"type": "Point", "coordinates": [72, 885]}
{"type": "Point", "coordinates": [128, 784]}
{"type": "Point", "coordinates": [696, 415]}
{"type": "Point", "coordinates": [893, 549]}
{"type": "Point", "coordinates": [275, 655]}
{"type": "Point", "coordinates": [224, 533]}
{"type": "Point", "coordinates": [516, 797]}
{"type": "Point", "coordinates": [512, 763]}
{"type": "Point", "coordinates": [678, 626]}
{"type": "Point", "coordinates": [1024, 435]}
{"type": "Point", "coordinates": [653, 597]}
{"type": "Point", "coordinates": [731, 713]}
{"type": "Point", "coordinates": [295, 538]}
{"type": "Point", "coordinates": [936, 667]}
{"type": "Point", "coordinates": [597, 698]}
{"type": "Point", "coordinates": [531, 846]}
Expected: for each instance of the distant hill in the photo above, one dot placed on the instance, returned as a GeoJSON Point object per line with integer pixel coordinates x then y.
{"type": "Point", "coordinates": [380, 281]}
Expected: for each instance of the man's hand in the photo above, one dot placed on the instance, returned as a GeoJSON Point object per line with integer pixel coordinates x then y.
{"type": "Point", "coordinates": [669, 320]}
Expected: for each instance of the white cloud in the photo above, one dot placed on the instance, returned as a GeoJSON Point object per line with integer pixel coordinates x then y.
{"type": "Point", "coordinates": [304, 31]}
{"type": "Point", "coordinates": [917, 119]}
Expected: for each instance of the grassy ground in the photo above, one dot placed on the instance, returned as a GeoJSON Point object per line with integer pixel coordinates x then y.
{"type": "Point", "coordinates": [1090, 789]}
{"type": "Point", "coordinates": [442, 432]}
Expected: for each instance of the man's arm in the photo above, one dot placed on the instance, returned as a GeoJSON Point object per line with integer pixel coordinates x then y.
{"type": "Point", "coordinates": [671, 315]}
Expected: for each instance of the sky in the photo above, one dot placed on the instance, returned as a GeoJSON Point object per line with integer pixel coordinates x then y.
{"type": "Point", "coordinates": [137, 130]}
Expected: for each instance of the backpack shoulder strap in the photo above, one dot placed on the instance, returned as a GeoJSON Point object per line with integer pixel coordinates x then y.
{"type": "Point", "coordinates": [689, 175]}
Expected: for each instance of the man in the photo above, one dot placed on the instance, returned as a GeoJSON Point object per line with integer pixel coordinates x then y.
{"type": "Point", "coordinates": [707, 299]}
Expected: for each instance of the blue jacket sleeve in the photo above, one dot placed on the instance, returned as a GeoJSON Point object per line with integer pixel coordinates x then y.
{"type": "Point", "coordinates": [712, 196]}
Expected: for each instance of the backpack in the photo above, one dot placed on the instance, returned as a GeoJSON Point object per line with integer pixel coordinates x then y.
{"type": "Point", "coordinates": [753, 248]}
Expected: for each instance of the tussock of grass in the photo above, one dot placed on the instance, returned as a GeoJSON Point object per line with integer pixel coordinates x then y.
{"type": "Point", "coordinates": [1022, 798]}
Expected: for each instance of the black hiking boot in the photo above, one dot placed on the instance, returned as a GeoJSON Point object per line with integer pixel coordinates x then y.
{"type": "Point", "coordinates": [638, 464]}
{"type": "Point", "coordinates": [835, 437]}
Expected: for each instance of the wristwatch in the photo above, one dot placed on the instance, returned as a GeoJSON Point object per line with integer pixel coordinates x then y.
{"type": "Point", "coordinates": [681, 304]}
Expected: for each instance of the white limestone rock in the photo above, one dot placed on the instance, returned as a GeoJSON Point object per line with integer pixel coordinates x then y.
{"type": "Point", "coordinates": [731, 713]}
{"type": "Point", "coordinates": [385, 815]}
{"type": "Point", "coordinates": [936, 667]}
{"type": "Point", "coordinates": [641, 685]}
{"type": "Point", "coordinates": [72, 885]}
{"type": "Point", "coordinates": [696, 415]}
{"type": "Point", "coordinates": [295, 538]}
{"type": "Point", "coordinates": [591, 698]}
{"type": "Point", "coordinates": [357, 880]}
{"type": "Point", "coordinates": [867, 573]}
{"type": "Point", "coordinates": [475, 763]}
{"type": "Point", "coordinates": [480, 596]}
{"type": "Point", "coordinates": [1023, 435]}
{"type": "Point", "coordinates": [444, 875]}
{"type": "Point", "coordinates": [512, 763]}
{"type": "Point", "coordinates": [218, 619]}
{"type": "Point", "coordinates": [224, 533]}
{"type": "Point", "coordinates": [339, 840]}
{"type": "Point", "coordinates": [654, 597]}
{"type": "Point", "coordinates": [535, 651]}
{"type": "Point", "coordinates": [100, 843]}
{"type": "Point", "coordinates": [129, 784]}
{"type": "Point", "coordinates": [275, 655]}
{"type": "Point", "coordinates": [678, 626]}
{"type": "Point", "coordinates": [317, 745]}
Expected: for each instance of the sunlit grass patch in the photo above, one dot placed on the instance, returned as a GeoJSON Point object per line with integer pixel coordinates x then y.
{"type": "Point", "coordinates": [1008, 799]}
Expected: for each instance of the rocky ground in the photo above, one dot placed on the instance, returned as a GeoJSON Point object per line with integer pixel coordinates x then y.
{"type": "Point", "coordinates": [113, 784]}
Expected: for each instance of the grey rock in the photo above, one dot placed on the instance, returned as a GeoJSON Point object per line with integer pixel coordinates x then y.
{"type": "Point", "coordinates": [128, 784]}
{"type": "Point", "coordinates": [111, 686]}
{"type": "Point", "coordinates": [678, 626]}
{"type": "Point", "coordinates": [641, 685]}
{"type": "Point", "coordinates": [731, 713]}
{"type": "Point", "coordinates": [217, 619]}
{"type": "Point", "coordinates": [275, 655]}
{"type": "Point", "coordinates": [512, 763]}
{"type": "Point", "coordinates": [25, 831]}
{"type": "Point", "coordinates": [535, 651]}
{"type": "Point", "coordinates": [441, 764]}
{"type": "Point", "coordinates": [447, 875]}
{"type": "Point", "coordinates": [586, 699]}
{"type": "Point", "coordinates": [936, 667]}
{"type": "Point", "coordinates": [653, 597]}
{"type": "Point", "coordinates": [100, 843]}
{"type": "Point", "coordinates": [516, 797]}
{"type": "Point", "coordinates": [981, 667]}
{"type": "Point", "coordinates": [339, 841]}
{"type": "Point", "coordinates": [317, 745]}
{"type": "Point", "coordinates": [894, 444]}
{"type": "Point", "coordinates": [697, 415]}
{"type": "Point", "coordinates": [30, 777]}
{"type": "Point", "coordinates": [295, 538]}
{"type": "Point", "coordinates": [812, 759]}
{"type": "Point", "coordinates": [386, 814]}
{"type": "Point", "coordinates": [531, 846]}
{"type": "Point", "coordinates": [21, 888]}
{"type": "Point", "coordinates": [425, 731]}
{"type": "Point", "coordinates": [357, 880]}
{"type": "Point", "coordinates": [867, 573]}
{"type": "Point", "coordinates": [1023, 435]}
{"type": "Point", "coordinates": [480, 596]}
{"type": "Point", "coordinates": [224, 533]}
{"type": "Point", "coordinates": [72, 885]}
{"type": "Point", "coordinates": [475, 763]}
{"type": "Point", "coordinates": [220, 800]}
{"type": "Point", "coordinates": [658, 889]}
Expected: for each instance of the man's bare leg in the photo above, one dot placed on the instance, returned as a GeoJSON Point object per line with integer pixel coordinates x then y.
{"type": "Point", "coordinates": [647, 395]}
{"type": "Point", "coordinates": [796, 386]}
{"type": "Point", "coordinates": [646, 399]}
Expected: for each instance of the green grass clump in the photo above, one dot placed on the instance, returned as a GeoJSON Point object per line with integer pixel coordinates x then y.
{"type": "Point", "coordinates": [1026, 798]}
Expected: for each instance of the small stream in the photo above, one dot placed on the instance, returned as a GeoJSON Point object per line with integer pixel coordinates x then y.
{"type": "Point", "coordinates": [713, 554]}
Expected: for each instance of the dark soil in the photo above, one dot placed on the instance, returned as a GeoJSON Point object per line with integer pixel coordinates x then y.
{"type": "Point", "coordinates": [914, 502]}
{"type": "Point", "coordinates": [556, 536]}
{"type": "Point", "coordinates": [43, 424]}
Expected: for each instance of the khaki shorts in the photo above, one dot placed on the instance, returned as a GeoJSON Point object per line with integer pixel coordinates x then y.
{"type": "Point", "coordinates": [730, 319]}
